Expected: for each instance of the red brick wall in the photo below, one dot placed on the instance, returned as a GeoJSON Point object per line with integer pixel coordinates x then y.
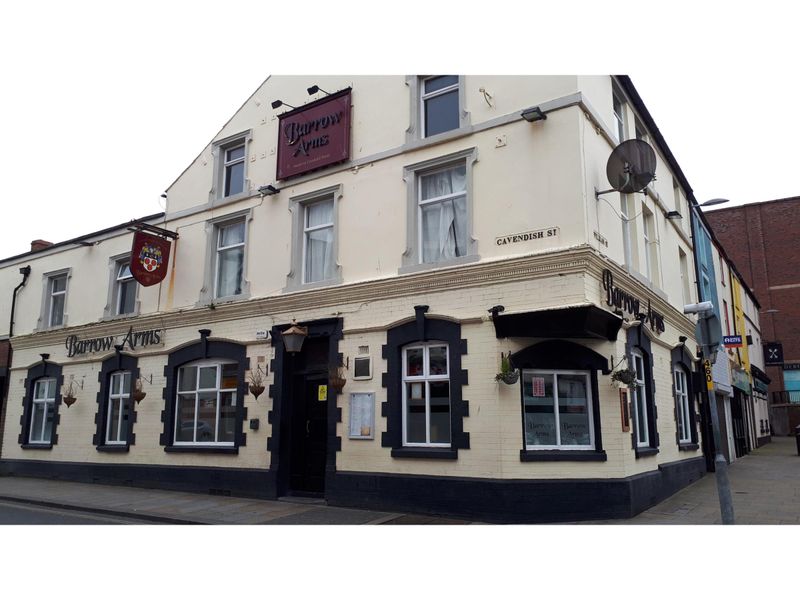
{"type": "Point", "coordinates": [762, 240]}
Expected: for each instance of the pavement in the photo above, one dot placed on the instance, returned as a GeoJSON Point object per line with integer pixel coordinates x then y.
{"type": "Point", "coordinates": [765, 486]}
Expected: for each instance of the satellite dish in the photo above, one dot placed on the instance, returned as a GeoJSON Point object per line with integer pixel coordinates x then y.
{"type": "Point", "coordinates": [631, 166]}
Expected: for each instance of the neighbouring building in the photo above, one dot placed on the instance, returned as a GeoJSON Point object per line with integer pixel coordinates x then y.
{"type": "Point", "coordinates": [415, 233]}
{"type": "Point", "coordinates": [760, 239]}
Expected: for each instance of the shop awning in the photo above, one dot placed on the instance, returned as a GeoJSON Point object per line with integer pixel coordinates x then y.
{"type": "Point", "coordinates": [575, 322]}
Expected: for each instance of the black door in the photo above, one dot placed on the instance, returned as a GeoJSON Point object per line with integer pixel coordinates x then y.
{"type": "Point", "coordinates": [739, 425]}
{"type": "Point", "coordinates": [309, 434]}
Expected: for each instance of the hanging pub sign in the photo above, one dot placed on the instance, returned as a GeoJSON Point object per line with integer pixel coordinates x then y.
{"type": "Point", "coordinates": [314, 136]}
{"type": "Point", "coordinates": [149, 258]}
{"type": "Point", "coordinates": [773, 353]}
{"type": "Point", "coordinates": [627, 302]}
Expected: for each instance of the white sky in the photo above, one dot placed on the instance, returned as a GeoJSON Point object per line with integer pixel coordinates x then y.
{"type": "Point", "coordinates": [103, 104]}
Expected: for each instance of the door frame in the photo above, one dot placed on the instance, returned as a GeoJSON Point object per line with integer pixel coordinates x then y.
{"type": "Point", "coordinates": [282, 393]}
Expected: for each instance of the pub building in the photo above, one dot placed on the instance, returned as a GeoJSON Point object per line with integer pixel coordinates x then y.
{"type": "Point", "coordinates": [404, 294]}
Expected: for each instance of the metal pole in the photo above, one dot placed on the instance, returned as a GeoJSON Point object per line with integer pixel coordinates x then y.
{"type": "Point", "coordinates": [720, 464]}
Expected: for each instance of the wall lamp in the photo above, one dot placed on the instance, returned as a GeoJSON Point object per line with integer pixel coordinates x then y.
{"type": "Point", "coordinates": [673, 214]}
{"type": "Point", "coordinates": [314, 89]}
{"type": "Point", "coordinates": [268, 190]}
{"type": "Point", "coordinates": [293, 337]}
{"type": "Point", "coordinates": [533, 114]}
{"type": "Point", "coordinates": [279, 103]}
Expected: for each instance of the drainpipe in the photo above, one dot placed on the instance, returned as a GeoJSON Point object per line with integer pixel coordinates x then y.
{"type": "Point", "coordinates": [25, 272]}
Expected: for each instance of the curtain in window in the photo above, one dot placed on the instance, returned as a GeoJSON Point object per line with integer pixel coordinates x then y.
{"type": "Point", "coordinates": [231, 260]}
{"type": "Point", "coordinates": [444, 223]}
{"type": "Point", "coordinates": [319, 241]}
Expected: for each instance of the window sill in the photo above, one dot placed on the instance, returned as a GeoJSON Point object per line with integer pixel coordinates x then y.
{"type": "Point", "coordinates": [439, 453]}
{"type": "Point", "coordinates": [642, 452]}
{"type": "Point", "coordinates": [562, 455]}
{"type": "Point", "coordinates": [292, 286]}
{"type": "Point", "coordinates": [113, 448]}
{"type": "Point", "coordinates": [687, 447]}
{"type": "Point", "coordinates": [470, 258]}
{"type": "Point", "coordinates": [37, 446]}
{"type": "Point", "coordinates": [203, 449]}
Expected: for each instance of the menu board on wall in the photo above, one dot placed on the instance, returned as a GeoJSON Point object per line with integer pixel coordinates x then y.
{"type": "Point", "coordinates": [362, 416]}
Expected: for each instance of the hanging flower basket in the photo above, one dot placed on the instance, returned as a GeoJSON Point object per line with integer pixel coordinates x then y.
{"type": "Point", "coordinates": [69, 400]}
{"type": "Point", "coordinates": [256, 390]}
{"type": "Point", "coordinates": [138, 395]}
{"type": "Point", "coordinates": [336, 378]}
{"type": "Point", "coordinates": [509, 378]}
{"type": "Point", "coordinates": [507, 374]}
{"type": "Point", "coordinates": [624, 377]}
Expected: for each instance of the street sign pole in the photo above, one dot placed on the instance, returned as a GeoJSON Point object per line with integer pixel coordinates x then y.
{"type": "Point", "coordinates": [720, 464]}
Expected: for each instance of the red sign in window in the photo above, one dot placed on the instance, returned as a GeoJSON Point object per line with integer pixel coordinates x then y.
{"type": "Point", "coordinates": [314, 136]}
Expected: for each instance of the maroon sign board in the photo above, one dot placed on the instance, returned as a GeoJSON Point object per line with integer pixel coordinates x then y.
{"type": "Point", "coordinates": [149, 258]}
{"type": "Point", "coordinates": [314, 136]}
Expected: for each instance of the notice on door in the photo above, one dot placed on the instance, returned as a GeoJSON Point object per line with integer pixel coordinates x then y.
{"type": "Point", "coordinates": [322, 393]}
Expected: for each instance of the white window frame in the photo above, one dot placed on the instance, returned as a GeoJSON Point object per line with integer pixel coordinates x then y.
{"type": "Point", "coordinates": [626, 230]}
{"type": "Point", "coordinates": [639, 396]}
{"type": "Point", "coordinates": [412, 257]}
{"type": "Point", "coordinates": [123, 399]}
{"type": "Point", "coordinates": [438, 200]}
{"type": "Point", "coordinates": [307, 230]}
{"type": "Point", "coordinates": [682, 400]}
{"type": "Point", "coordinates": [228, 163]}
{"type": "Point", "coordinates": [589, 408]}
{"type": "Point", "coordinates": [219, 390]}
{"type": "Point", "coordinates": [619, 115]}
{"type": "Point", "coordinates": [51, 294]}
{"type": "Point", "coordinates": [219, 152]}
{"type": "Point", "coordinates": [426, 378]}
{"type": "Point", "coordinates": [49, 399]}
{"type": "Point", "coordinates": [424, 97]}
{"type": "Point", "coordinates": [646, 234]}
{"type": "Point", "coordinates": [120, 281]}
{"type": "Point", "coordinates": [219, 249]}
{"type": "Point", "coordinates": [415, 134]}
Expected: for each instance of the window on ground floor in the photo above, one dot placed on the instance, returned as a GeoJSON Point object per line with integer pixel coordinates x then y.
{"type": "Point", "coordinates": [426, 395]}
{"type": "Point", "coordinates": [558, 410]}
{"type": "Point", "coordinates": [206, 403]}
{"type": "Point", "coordinates": [118, 410]}
{"type": "Point", "coordinates": [42, 411]}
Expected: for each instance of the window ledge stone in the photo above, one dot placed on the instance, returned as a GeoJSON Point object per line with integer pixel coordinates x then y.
{"type": "Point", "coordinates": [642, 452]}
{"type": "Point", "coordinates": [438, 453]}
{"type": "Point", "coordinates": [37, 446]}
{"type": "Point", "coordinates": [203, 449]}
{"type": "Point", "coordinates": [562, 455]}
{"type": "Point", "coordinates": [120, 448]}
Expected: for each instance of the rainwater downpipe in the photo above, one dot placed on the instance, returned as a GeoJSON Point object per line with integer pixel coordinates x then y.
{"type": "Point", "coordinates": [25, 272]}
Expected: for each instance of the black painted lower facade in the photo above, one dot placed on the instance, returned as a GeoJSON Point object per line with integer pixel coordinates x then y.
{"type": "Point", "coordinates": [490, 500]}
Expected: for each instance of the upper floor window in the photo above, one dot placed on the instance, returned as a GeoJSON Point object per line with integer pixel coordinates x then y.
{"type": "Point", "coordinates": [125, 301]}
{"type": "Point", "coordinates": [318, 241]}
{"type": "Point", "coordinates": [439, 104]}
{"type": "Point", "coordinates": [118, 408]}
{"type": "Point", "coordinates": [650, 246]}
{"type": "Point", "coordinates": [42, 411]}
{"type": "Point", "coordinates": [443, 214]}
{"type": "Point", "coordinates": [558, 410]}
{"type": "Point", "coordinates": [206, 403]}
{"type": "Point", "coordinates": [641, 132]}
{"type": "Point", "coordinates": [625, 211]}
{"type": "Point", "coordinates": [685, 282]}
{"type": "Point", "coordinates": [234, 170]}
{"type": "Point", "coordinates": [619, 116]}
{"type": "Point", "coordinates": [230, 246]}
{"type": "Point", "coordinates": [230, 167]}
{"type": "Point", "coordinates": [56, 299]}
{"type": "Point", "coordinates": [426, 395]}
{"type": "Point", "coordinates": [721, 270]}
